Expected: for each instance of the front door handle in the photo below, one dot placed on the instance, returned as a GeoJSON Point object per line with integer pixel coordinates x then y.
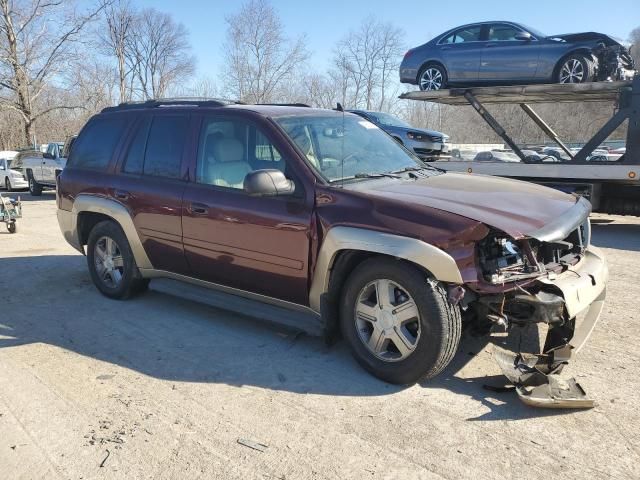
{"type": "Point", "coordinates": [199, 208]}
{"type": "Point", "coordinates": [122, 195]}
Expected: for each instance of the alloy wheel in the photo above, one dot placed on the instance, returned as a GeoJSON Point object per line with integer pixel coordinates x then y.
{"type": "Point", "coordinates": [572, 71]}
{"type": "Point", "coordinates": [387, 320]}
{"type": "Point", "coordinates": [431, 79]}
{"type": "Point", "coordinates": [108, 262]}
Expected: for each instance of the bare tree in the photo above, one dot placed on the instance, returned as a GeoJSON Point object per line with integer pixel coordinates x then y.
{"type": "Point", "coordinates": [369, 58]}
{"type": "Point", "coordinates": [158, 54]}
{"type": "Point", "coordinates": [37, 40]}
{"type": "Point", "coordinates": [634, 38]}
{"type": "Point", "coordinates": [114, 37]}
{"type": "Point", "coordinates": [260, 62]}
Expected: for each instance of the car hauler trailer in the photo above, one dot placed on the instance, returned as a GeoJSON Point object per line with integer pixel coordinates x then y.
{"type": "Point", "coordinates": [612, 186]}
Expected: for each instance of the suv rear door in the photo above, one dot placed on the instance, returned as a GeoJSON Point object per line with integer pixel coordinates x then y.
{"type": "Point", "coordinates": [256, 244]}
{"type": "Point", "coordinates": [151, 181]}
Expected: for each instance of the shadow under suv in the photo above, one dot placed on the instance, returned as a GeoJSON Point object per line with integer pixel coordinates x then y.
{"type": "Point", "coordinates": [322, 212]}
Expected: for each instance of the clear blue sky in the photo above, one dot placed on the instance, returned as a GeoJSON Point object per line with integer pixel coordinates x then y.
{"type": "Point", "coordinates": [326, 21]}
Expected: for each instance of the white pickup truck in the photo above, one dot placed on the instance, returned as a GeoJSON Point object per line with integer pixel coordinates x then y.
{"type": "Point", "coordinates": [41, 171]}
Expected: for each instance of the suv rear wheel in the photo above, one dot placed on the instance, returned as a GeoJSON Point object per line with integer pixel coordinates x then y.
{"type": "Point", "coordinates": [398, 323]}
{"type": "Point", "coordinates": [111, 264]}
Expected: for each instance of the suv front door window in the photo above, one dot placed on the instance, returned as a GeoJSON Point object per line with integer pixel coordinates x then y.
{"type": "Point", "coordinates": [258, 244]}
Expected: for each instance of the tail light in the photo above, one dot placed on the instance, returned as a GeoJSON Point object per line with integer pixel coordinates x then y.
{"type": "Point", "coordinates": [408, 54]}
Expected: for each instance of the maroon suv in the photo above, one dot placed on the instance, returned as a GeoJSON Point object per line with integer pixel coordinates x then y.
{"type": "Point", "coordinates": [320, 210]}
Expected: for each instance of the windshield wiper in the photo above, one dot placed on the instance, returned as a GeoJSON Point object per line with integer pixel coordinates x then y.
{"type": "Point", "coordinates": [418, 169]}
{"type": "Point", "coordinates": [376, 175]}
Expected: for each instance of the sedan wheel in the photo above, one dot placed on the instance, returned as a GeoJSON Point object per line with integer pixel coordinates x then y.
{"type": "Point", "coordinates": [432, 78]}
{"type": "Point", "coordinates": [7, 184]}
{"type": "Point", "coordinates": [387, 320]}
{"type": "Point", "coordinates": [572, 71]}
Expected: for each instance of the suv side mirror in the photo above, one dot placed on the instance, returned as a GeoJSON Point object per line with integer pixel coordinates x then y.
{"type": "Point", "coordinates": [268, 183]}
{"type": "Point", "coordinates": [525, 36]}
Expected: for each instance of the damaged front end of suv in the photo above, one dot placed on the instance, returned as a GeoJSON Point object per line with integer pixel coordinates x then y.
{"type": "Point", "coordinates": [550, 278]}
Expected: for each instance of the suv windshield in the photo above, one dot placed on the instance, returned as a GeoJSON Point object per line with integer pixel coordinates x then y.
{"type": "Point", "coordinates": [346, 147]}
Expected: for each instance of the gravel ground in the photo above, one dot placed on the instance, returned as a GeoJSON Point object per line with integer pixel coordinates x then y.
{"type": "Point", "coordinates": [161, 387]}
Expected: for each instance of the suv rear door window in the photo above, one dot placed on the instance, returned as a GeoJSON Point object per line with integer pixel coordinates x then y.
{"type": "Point", "coordinates": [95, 146]}
{"type": "Point", "coordinates": [135, 156]}
{"type": "Point", "coordinates": [165, 145]}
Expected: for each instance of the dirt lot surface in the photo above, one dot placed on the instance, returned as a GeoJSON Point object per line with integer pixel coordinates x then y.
{"type": "Point", "coordinates": [160, 387]}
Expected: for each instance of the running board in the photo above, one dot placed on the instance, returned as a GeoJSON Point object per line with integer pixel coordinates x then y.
{"type": "Point", "coordinates": [538, 387]}
{"type": "Point", "coordinates": [293, 319]}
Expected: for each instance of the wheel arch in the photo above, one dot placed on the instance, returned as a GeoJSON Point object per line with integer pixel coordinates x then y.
{"type": "Point", "coordinates": [345, 247]}
{"type": "Point", "coordinates": [426, 63]}
{"type": "Point", "coordinates": [578, 50]}
{"type": "Point", "coordinates": [89, 210]}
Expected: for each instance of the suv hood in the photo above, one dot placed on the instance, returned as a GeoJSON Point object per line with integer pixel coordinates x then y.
{"type": "Point", "coordinates": [517, 208]}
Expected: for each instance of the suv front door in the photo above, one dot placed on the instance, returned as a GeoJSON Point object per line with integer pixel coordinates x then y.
{"type": "Point", "coordinates": [252, 243]}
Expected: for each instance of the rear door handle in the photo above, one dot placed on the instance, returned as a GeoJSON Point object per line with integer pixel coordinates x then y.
{"type": "Point", "coordinates": [122, 195]}
{"type": "Point", "coordinates": [199, 208]}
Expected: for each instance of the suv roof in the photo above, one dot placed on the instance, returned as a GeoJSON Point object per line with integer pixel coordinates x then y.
{"type": "Point", "coordinates": [199, 102]}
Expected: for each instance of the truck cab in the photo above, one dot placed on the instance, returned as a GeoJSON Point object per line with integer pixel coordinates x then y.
{"type": "Point", "coordinates": [42, 171]}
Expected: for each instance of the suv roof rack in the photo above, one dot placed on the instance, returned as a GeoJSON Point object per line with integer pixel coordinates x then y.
{"type": "Point", "coordinates": [172, 102]}
{"type": "Point", "coordinates": [285, 104]}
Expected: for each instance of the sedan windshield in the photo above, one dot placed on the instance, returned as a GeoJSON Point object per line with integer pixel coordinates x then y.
{"type": "Point", "coordinates": [346, 147]}
{"type": "Point", "coordinates": [386, 119]}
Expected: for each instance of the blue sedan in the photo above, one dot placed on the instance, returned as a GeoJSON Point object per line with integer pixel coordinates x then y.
{"type": "Point", "coordinates": [503, 53]}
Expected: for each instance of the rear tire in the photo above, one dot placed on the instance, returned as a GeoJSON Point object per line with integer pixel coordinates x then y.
{"type": "Point", "coordinates": [12, 227]}
{"type": "Point", "coordinates": [432, 77]}
{"type": "Point", "coordinates": [111, 263]}
{"type": "Point", "coordinates": [430, 328]}
{"type": "Point", "coordinates": [575, 68]}
{"type": "Point", "coordinates": [35, 188]}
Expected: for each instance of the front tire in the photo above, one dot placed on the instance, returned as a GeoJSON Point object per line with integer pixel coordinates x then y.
{"type": "Point", "coordinates": [7, 184]}
{"type": "Point", "coordinates": [575, 68]}
{"type": "Point", "coordinates": [432, 77]}
{"type": "Point", "coordinates": [111, 263]}
{"type": "Point", "coordinates": [398, 322]}
{"type": "Point", "coordinates": [35, 188]}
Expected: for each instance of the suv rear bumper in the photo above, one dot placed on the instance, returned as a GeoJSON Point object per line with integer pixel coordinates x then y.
{"type": "Point", "coordinates": [67, 221]}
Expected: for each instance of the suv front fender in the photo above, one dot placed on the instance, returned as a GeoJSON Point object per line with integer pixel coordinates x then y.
{"type": "Point", "coordinates": [439, 263]}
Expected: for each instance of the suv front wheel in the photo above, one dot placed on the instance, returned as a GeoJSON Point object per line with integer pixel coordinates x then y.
{"type": "Point", "coordinates": [111, 263]}
{"type": "Point", "coordinates": [398, 322]}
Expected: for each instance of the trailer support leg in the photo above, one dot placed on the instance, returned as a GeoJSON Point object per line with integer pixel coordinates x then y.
{"type": "Point", "coordinates": [493, 123]}
{"type": "Point", "coordinates": [601, 135]}
{"type": "Point", "coordinates": [545, 128]}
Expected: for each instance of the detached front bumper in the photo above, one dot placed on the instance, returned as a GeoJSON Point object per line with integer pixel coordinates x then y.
{"type": "Point", "coordinates": [584, 290]}
{"type": "Point", "coordinates": [577, 295]}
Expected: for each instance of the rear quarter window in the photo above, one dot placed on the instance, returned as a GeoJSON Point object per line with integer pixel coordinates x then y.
{"type": "Point", "coordinates": [96, 144]}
